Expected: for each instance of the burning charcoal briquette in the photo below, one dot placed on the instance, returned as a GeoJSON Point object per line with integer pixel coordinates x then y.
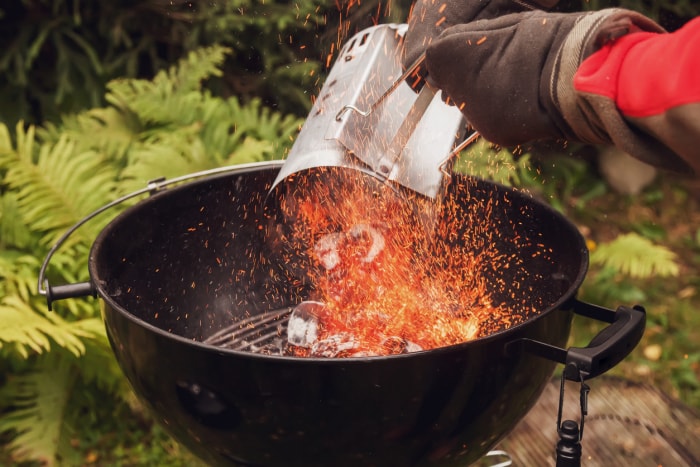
{"type": "Point", "coordinates": [302, 329]}
{"type": "Point", "coordinates": [337, 345]}
{"type": "Point", "coordinates": [398, 345]}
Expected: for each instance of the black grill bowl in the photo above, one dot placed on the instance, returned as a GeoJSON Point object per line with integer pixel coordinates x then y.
{"type": "Point", "coordinates": [185, 263]}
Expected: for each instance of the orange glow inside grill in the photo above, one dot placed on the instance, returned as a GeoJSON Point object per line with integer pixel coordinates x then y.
{"type": "Point", "coordinates": [384, 281]}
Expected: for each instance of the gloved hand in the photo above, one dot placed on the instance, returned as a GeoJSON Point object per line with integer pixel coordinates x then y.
{"type": "Point", "coordinates": [429, 18]}
{"type": "Point", "coordinates": [512, 76]}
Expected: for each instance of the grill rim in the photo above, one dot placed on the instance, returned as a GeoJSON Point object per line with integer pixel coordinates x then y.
{"type": "Point", "coordinates": [102, 289]}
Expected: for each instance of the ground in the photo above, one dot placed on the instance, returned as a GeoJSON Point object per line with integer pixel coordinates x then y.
{"type": "Point", "coordinates": [668, 212]}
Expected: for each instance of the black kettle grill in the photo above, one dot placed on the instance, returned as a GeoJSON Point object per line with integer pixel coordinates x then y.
{"type": "Point", "coordinates": [185, 263]}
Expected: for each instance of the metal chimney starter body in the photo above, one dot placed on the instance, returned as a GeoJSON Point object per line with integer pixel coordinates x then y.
{"type": "Point", "coordinates": [367, 118]}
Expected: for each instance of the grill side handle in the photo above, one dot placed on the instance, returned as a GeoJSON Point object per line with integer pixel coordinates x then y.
{"type": "Point", "coordinates": [608, 348]}
{"type": "Point", "coordinates": [81, 289]}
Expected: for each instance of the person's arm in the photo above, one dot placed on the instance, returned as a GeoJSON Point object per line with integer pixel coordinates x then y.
{"type": "Point", "coordinates": [537, 75]}
{"type": "Point", "coordinates": [654, 80]}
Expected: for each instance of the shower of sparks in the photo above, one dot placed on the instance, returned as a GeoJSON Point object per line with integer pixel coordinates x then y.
{"type": "Point", "coordinates": [396, 272]}
{"type": "Point", "coordinates": [381, 278]}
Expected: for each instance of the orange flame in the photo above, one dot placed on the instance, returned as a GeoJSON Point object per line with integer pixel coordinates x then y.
{"type": "Point", "coordinates": [409, 288]}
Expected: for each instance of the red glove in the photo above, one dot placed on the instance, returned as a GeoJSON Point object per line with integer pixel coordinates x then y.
{"type": "Point", "coordinates": [654, 79]}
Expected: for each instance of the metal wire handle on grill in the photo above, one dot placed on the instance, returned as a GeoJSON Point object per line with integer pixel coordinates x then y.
{"type": "Point", "coordinates": [86, 288]}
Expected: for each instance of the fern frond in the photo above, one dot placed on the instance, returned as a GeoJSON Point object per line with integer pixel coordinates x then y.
{"type": "Point", "coordinates": [33, 332]}
{"type": "Point", "coordinates": [169, 111]}
{"type": "Point", "coordinates": [167, 155]}
{"type": "Point", "coordinates": [59, 186]}
{"type": "Point", "coordinates": [482, 160]}
{"type": "Point", "coordinates": [220, 133]}
{"type": "Point", "coordinates": [171, 94]}
{"type": "Point", "coordinates": [39, 401]}
{"type": "Point", "coordinates": [18, 274]}
{"type": "Point", "coordinates": [5, 139]}
{"type": "Point", "coordinates": [14, 233]}
{"type": "Point", "coordinates": [255, 119]}
{"type": "Point", "coordinates": [111, 131]}
{"type": "Point", "coordinates": [25, 139]}
{"type": "Point", "coordinates": [252, 150]}
{"type": "Point", "coordinates": [293, 73]}
{"type": "Point", "coordinates": [635, 256]}
{"type": "Point", "coordinates": [248, 133]}
{"type": "Point", "coordinates": [199, 65]}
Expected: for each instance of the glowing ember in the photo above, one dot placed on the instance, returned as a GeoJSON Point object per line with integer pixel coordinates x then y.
{"type": "Point", "coordinates": [381, 285]}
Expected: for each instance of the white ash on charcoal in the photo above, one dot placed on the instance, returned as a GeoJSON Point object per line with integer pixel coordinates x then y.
{"type": "Point", "coordinates": [302, 328]}
{"type": "Point", "coordinates": [303, 337]}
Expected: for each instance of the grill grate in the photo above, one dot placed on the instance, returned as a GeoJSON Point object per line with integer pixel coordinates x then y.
{"type": "Point", "coordinates": [264, 333]}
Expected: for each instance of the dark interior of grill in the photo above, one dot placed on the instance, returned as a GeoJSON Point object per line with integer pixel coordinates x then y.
{"type": "Point", "coordinates": [210, 257]}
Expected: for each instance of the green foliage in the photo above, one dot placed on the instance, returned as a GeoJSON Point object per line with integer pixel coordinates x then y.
{"type": "Point", "coordinates": [29, 331]}
{"type": "Point", "coordinates": [58, 55]}
{"type": "Point", "coordinates": [622, 265]}
{"type": "Point", "coordinates": [565, 181]}
{"type": "Point", "coordinates": [275, 52]}
{"type": "Point", "coordinates": [51, 178]}
{"type": "Point", "coordinates": [636, 257]}
{"type": "Point", "coordinates": [484, 160]}
{"type": "Point", "coordinates": [609, 286]}
{"type": "Point", "coordinates": [62, 56]}
{"type": "Point", "coordinates": [53, 183]}
{"type": "Point", "coordinates": [40, 399]}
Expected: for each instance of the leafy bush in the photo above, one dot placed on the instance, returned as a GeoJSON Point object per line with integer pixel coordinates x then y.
{"type": "Point", "coordinates": [51, 177]}
{"type": "Point", "coordinates": [484, 160]}
{"type": "Point", "coordinates": [58, 55]}
{"type": "Point", "coordinates": [622, 263]}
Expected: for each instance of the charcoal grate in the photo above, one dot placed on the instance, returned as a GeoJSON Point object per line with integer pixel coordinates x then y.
{"type": "Point", "coordinates": [264, 333]}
